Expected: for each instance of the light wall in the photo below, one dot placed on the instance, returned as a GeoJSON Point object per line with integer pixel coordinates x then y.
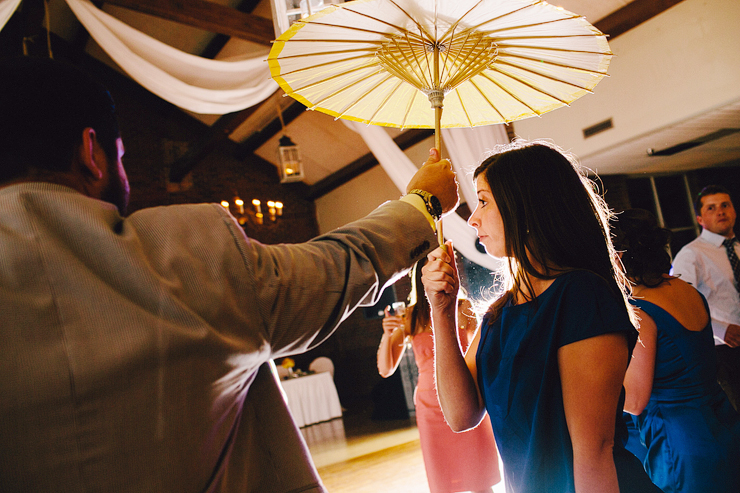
{"type": "Point", "coordinates": [674, 66]}
{"type": "Point", "coordinates": [362, 195]}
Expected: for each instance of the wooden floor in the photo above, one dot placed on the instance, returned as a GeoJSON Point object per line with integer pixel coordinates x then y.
{"type": "Point", "coordinates": [356, 454]}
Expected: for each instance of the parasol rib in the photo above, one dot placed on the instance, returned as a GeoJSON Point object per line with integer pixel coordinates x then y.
{"type": "Point", "coordinates": [370, 51]}
{"type": "Point", "coordinates": [457, 22]}
{"type": "Point", "coordinates": [418, 63]}
{"type": "Point", "coordinates": [416, 69]}
{"type": "Point", "coordinates": [507, 14]}
{"type": "Point", "coordinates": [465, 110]}
{"type": "Point", "coordinates": [555, 64]}
{"type": "Point", "coordinates": [464, 72]}
{"type": "Point", "coordinates": [369, 31]}
{"type": "Point", "coordinates": [550, 48]}
{"type": "Point", "coordinates": [335, 76]}
{"type": "Point", "coordinates": [546, 76]}
{"type": "Point", "coordinates": [389, 24]}
{"type": "Point", "coordinates": [344, 88]}
{"type": "Point", "coordinates": [387, 98]}
{"type": "Point", "coordinates": [333, 40]}
{"type": "Point", "coordinates": [411, 18]}
{"type": "Point", "coordinates": [536, 24]}
{"type": "Point", "coordinates": [408, 109]}
{"type": "Point", "coordinates": [333, 62]}
{"type": "Point", "coordinates": [500, 86]}
{"type": "Point", "coordinates": [531, 86]}
{"type": "Point", "coordinates": [490, 103]}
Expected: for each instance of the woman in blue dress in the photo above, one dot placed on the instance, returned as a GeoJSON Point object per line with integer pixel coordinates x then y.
{"type": "Point", "coordinates": [681, 423]}
{"type": "Point", "coordinates": [550, 357]}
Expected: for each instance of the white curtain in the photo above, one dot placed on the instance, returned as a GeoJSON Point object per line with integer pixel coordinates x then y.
{"type": "Point", "coordinates": [7, 7]}
{"type": "Point", "coordinates": [468, 147]}
{"type": "Point", "coordinates": [190, 82]}
{"type": "Point", "coordinates": [400, 169]}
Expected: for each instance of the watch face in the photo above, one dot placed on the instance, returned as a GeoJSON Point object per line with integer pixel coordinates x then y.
{"type": "Point", "coordinates": [436, 206]}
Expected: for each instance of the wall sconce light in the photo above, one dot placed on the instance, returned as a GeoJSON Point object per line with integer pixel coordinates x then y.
{"type": "Point", "coordinates": [253, 214]}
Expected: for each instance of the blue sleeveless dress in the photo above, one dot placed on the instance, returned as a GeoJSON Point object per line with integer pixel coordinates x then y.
{"type": "Point", "coordinates": [688, 436]}
{"type": "Point", "coordinates": [520, 382]}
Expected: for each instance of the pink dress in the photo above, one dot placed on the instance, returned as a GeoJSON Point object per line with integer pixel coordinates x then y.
{"type": "Point", "coordinates": [453, 461]}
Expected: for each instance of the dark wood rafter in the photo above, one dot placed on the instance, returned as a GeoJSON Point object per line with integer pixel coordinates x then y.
{"type": "Point", "coordinates": [205, 15]}
{"type": "Point", "coordinates": [224, 126]}
{"type": "Point", "coordinates": [254, 141]}
{"type": "Point", "coordinates": [219, 41]}
{"type": "Point", "coordinates": [365, 163]}
{"type": "Point", "coordinates": [217, 133]}
{"type": "Point", "coordinates": [632, 15]}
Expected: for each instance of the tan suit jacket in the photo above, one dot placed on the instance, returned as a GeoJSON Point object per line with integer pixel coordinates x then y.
{"type": "Point", "coordinates": [133, 351]}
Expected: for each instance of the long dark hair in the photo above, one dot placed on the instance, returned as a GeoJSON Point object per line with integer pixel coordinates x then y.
{"type": "Point", "coordinates": [644, 246]}
{"type": "Point", "coordinates": [552, 214]}
{"type": "Point", "coordinates": [420, 312]}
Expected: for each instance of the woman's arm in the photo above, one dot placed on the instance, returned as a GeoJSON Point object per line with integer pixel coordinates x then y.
{"type": "Point", "coordinates": [457, 388]}
{"type": "Point", "coordinates": [591, 372]}
{"type": "Point", "coordinates": [466, 322]}
{"type": "Point", "coordinates": [638, 382]}
{"type": "Point", "coordinates": [392, 344]}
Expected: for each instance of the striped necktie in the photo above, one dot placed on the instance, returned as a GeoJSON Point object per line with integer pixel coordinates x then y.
{"type": "Point", "coordinates": [734, 261]}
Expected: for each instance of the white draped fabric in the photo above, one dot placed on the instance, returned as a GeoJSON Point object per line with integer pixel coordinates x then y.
{"type": "Point", "coordinates": [217, 87]}
{"type": "Point", "coordinates": [7, 7]}
{"type": "Point", "coordinates": [190, 82]}
{"type": "Point", "coordinates": [400, 169]}
{"type": "Point", "coordinates": [468, 147]}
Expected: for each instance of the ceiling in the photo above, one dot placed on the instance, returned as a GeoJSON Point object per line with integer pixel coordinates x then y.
{"type": "Point", "coordinates": [332, 154]}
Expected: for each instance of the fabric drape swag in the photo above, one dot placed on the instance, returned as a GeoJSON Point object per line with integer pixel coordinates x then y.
{"type": "Point", "coordinates": [218, 87]}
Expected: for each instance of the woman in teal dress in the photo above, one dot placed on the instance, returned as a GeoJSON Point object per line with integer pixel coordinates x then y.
{"type": "Point", "coordinates": [550, 357]}
{"type": "Point", "coordinates": [681, 423]}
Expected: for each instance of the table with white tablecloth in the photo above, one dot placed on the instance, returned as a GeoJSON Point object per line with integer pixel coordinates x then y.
{"type": "Point", "coordinates": [312, 398]}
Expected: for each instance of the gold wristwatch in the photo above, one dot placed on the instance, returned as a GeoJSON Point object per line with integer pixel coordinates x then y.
{"type": "Point", "coordinates": [434, 207]}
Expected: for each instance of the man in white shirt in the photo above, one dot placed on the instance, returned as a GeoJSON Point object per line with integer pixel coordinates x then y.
{"type": "Point", "coordinates": [710, 263]}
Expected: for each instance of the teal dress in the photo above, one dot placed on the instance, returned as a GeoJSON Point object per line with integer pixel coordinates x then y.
{"type": "Point", "coordinates": [520, 382]}
{"type": "Point", "coordinates": [688, 436]}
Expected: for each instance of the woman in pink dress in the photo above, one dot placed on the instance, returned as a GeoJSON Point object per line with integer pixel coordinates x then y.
{"type": "Point", "coordinates": [454, 462]}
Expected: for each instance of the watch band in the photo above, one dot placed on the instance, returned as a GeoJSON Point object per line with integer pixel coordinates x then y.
{"type": "Point", "coordinates": [434, 207]}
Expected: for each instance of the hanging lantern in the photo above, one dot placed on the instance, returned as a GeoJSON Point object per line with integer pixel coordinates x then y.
{"type": "Point", "coordinates": [290, 161]}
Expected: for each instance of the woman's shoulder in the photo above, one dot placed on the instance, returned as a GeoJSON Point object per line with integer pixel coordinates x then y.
{"type": "Point", "coordinates": [679, 299]}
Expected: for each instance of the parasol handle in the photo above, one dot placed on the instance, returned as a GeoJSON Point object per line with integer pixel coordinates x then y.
{"type": "Point", "coordinates": [437, 98]}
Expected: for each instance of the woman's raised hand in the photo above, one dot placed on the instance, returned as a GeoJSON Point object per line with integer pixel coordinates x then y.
{"type": "Point", "coordinates": [440, 279]}
{"type": "Point", "coordinates": [391, 322]}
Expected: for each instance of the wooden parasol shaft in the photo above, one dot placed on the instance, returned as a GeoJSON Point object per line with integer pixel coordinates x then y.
{"type": "Point", "coordinates": [438, 146]}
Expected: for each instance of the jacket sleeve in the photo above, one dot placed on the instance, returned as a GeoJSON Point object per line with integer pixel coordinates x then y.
{"type": "Point", "coordinates": [304, 291]}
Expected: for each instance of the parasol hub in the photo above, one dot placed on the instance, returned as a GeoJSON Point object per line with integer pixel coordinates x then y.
{"type": "Point", "coordinates": [436, 97]}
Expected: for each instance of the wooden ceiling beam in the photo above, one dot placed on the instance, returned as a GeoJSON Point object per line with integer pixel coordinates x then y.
{"type": "Point", "coordinates": [255, 141]}
{"type": "Point", "coordinates": [632, 15]}
{"type": "Point", "coordinates": [208, 16]}
{"type": "Point", "coordinates": [217, 133]}
{"type": "Point", "coordinates": [365, 163]}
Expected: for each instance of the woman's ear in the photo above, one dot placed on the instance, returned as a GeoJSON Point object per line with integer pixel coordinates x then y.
{"type": "Point", "coordinates": [89, 154]}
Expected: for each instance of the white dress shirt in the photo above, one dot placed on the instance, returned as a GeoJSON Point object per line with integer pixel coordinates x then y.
{"type": "Point", "coordinates": [703, 263]}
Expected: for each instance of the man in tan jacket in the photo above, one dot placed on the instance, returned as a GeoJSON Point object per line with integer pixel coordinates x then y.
{"type": "Point", "coordinates": [135, 349]}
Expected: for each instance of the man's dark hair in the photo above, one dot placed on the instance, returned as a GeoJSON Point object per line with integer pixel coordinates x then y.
{"type": "Point", "coordinates": [708, 190]}
{"type": "Point", "coordinates": [44, 107]}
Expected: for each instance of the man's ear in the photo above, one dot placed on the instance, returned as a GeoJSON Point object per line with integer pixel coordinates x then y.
{"type": "Point", "coordinates": [700, 221]}
{"type": "Point", "coordinates": [89, 161]}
